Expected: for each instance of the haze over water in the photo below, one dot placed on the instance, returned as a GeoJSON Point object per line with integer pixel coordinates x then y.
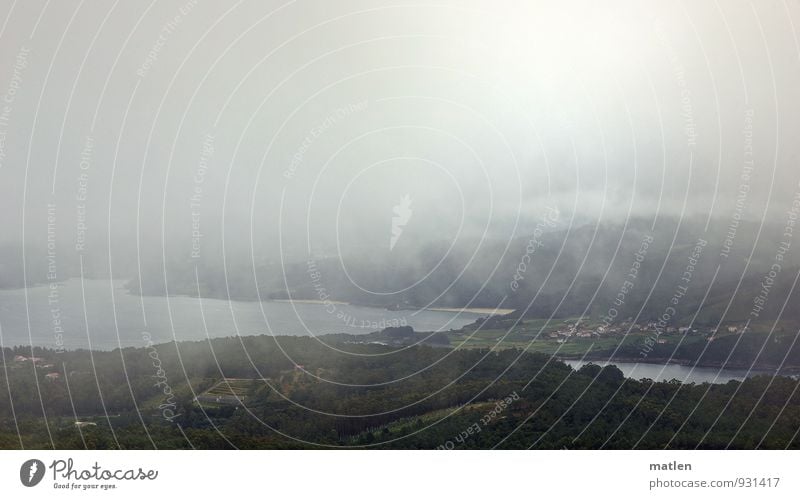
{"type": "Point", "coordinates": [117, 319]}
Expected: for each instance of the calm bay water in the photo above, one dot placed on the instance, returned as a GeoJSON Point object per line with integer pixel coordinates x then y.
{"type": "Point", "coordinates": [114, 318]}
{"type": "Point", "coordinates": [685, 374]}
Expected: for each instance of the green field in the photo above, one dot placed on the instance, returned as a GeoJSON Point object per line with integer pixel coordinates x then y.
{"type": "Point", "coordinates": [227, 391]}
{"type": "Point", "coordinates": [533, 336]}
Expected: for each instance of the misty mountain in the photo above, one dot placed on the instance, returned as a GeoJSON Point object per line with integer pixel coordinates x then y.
{"type": "Point", "coordinates": [632, 269]}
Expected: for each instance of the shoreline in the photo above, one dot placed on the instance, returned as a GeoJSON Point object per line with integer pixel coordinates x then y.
{"type": "Point", "coordinates": [774, 370]}
{"type": "Point", "coordinates": [310, 302]}
{"type": "Point", "coordinates": [476, 310]}
{"type": "Point", "coordinates": [755, 369]}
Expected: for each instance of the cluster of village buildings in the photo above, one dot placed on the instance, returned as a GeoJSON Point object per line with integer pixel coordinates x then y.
{"type": "Point", "coordinates": [583, 329]}
{"type": "Point", "coordinates": [39, 363]}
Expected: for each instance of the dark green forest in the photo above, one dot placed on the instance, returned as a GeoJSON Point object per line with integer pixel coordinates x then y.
{"type": "Point", "coordinates": [263, 392]}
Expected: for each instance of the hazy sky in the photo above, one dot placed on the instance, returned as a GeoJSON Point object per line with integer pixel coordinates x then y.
{"type": "Point", "coordinates": [307, 122]}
